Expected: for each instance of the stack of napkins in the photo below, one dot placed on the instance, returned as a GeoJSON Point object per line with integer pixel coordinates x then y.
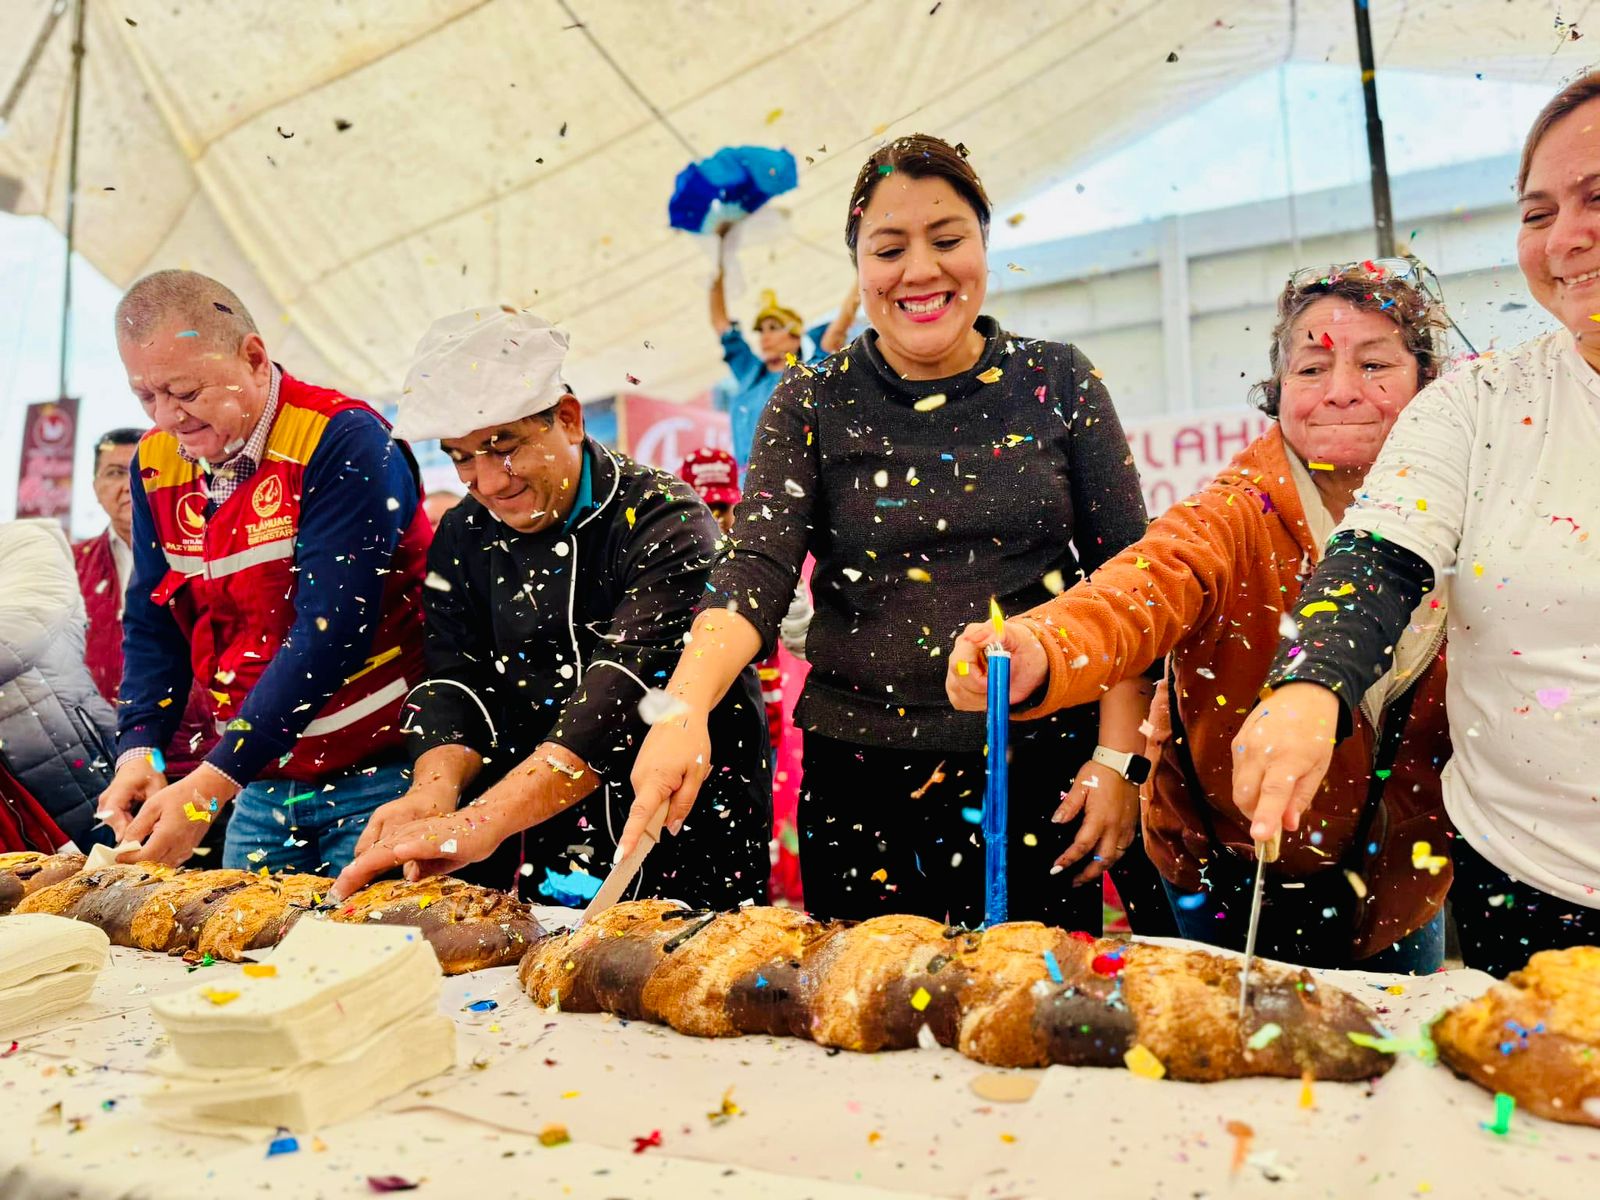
{"type": "Point", "coordinates": [339, 1018]}
{"type": "Point", "coordinates": [47, 964]}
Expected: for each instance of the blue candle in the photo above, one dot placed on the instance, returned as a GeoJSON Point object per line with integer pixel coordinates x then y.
{"type": "Point", "coordinates": [997, 791]}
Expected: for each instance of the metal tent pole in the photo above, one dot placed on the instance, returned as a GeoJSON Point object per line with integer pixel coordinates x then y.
{"type": "Point", "coordinates": [72, 184]}
{"type": "Point", "coordinates": [1382, 212]}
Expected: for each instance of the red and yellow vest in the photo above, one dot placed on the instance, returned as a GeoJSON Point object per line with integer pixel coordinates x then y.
{"type": "Point", "coordinates": [231, 583]}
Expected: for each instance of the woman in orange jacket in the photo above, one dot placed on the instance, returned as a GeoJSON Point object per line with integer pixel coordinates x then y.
{"type": "Point", "coordinates": [1211, 584]}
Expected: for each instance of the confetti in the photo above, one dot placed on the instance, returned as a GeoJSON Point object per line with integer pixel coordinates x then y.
{"type": "Point", "coordinates": [1424, 859]}
{"type": "Point", "coordinates": [1051, 965]}
{"type": "Point", "coordinates": [1318, 466]}
{"type": "Point", "coordinates": [929, 403]}
{"type": "Point", "coordinates": [260, 970]}
{"type": "Point", "coordinates": [1241, 1133]}
{"type": "Point", "coordinates": [920, 999]}
{"type": "Point", "coordinates": [1320, 606]}
{"type": "Point", "coordinates": [918, 575]}
{"type": "Point", "coordinates": [992, 375]}
{"type": "Point", "coordinates": [390, 1183]}
{"type": "Point", "coordinates": [1307, 1100]}
{"type": "Point", "coordinates": [219, 997]}
{"type": "Point", "coordinates": [1265, 1036]}
{"type": "Point", "coordinates": [1144, 1064]}
{"type": "Point", "coordinates": [1422, 1046]}
{"type": "Point", "coordinates": [727, 1111]}
{"type": "Point", "coordinates": [1504, 1106]}
{"type": "Point", "coordinates": [641, 1144]}
{"type": "Point", "coordinates": [554, 1135]}
{"type": "Point", "coordinates": [283, 1145]}
{"type": "Point", "coordinates": [482, 1006]}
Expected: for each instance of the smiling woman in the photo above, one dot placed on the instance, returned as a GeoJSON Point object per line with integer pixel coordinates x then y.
{"type": "Point", "coordinates": [933, 465]}
{"type": "Point", "coordinates": [1488, 481]}
{"type": "Point", "coordinates": [1208, 585]}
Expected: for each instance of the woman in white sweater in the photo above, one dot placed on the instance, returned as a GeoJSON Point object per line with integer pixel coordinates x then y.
{"type": "Point", "coordinates": [1489, 487]}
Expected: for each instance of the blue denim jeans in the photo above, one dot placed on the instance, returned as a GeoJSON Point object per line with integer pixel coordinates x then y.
{"type": "Point", "coordinates": [310, 828]}
{"type": "Point", "coordinates": [1293, 930]}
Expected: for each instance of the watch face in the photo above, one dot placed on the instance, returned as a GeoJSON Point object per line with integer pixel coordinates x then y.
{"type": "Point", "coordinates": [1138, 769]}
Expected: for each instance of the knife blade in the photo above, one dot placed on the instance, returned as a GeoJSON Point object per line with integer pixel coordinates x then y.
{"type": "Point", "coordinates": [622, 874]}
{"type": "Point", "coordinates": [1266, 852]}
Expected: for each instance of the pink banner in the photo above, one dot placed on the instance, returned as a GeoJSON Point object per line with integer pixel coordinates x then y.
{"type": "Point", "coordinates": [1177, 456]}
{"type": "Point", "coordinates": [44, 484]}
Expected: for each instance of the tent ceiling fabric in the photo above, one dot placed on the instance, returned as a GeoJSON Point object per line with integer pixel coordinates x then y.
{"type": "Point", "coordinates": [522, 151]}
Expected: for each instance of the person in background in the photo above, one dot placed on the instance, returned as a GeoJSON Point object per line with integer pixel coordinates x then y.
{"type": "Point", "coordinates": [105, 565]}
{"type": "Point", "coordinates": [1486, 490]}
{"type": "Point", "coordinates": [1208, 585]}
{"type": "Point", "coordinates": [278, 556]}
{"type": "Point", "coordinates": [779, 333]}
{"type": "Point", "coordinates": [54, 725]}
{"type": "Point", "coordinates": [438, 502]}
{"type": "Point", "coordinates": [560, 591]}
{"type": "Point", "coordinates": [714, 475]}
{"type": "Point", "coordinates": [935, 463]}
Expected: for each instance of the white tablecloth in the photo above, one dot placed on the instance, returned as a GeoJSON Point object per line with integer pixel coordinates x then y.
{"type": "Point", "coordinates": [810, 1123]}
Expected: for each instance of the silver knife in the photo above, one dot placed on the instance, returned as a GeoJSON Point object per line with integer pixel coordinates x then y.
{"type": "Point", "coordinates": [622, 874]}
{"type": "Point", "coordinates": [1266, 852]}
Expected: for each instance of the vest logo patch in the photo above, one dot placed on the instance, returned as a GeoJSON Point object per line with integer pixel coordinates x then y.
{"type": "Point", "coordinates": [267, 498]}
{"type": "Point", "coordinates": [192, 514]}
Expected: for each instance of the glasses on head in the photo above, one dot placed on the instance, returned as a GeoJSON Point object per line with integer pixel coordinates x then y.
{"type": "Point", "coordinates": [1408, 272]}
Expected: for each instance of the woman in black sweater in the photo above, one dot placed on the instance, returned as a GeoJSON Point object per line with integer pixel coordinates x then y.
{"type": "Point", "coordinates": [935, 462]}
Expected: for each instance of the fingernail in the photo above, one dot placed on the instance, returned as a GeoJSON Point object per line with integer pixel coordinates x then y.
{"type": "Point", "coordinates": [1057, 869]}
{"type": "Point", "coordinates": [1059, 819]}
{"type": "Point", "coordinates": [674, 826]}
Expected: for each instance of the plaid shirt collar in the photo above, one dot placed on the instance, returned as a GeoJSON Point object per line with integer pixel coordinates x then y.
{"type": "Point", "coordinates": [225, 478]}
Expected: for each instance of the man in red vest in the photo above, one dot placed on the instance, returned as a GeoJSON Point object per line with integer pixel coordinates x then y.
{"type": "Point", "coordinates": [279, 547]}
{"type": "Point", "coordinates": [105, 564]}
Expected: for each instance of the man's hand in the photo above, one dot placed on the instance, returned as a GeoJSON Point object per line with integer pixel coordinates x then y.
{"type": "Point", "coordinates": [673, 762]}
{"type": "Point", "coordinates": [1281, 754]}
{"type": "Point", "coordinates": [1110, 807]}
{"type": "Point", "coordinates": [135, 782]}
{"type": "Point", "coordinates": [966, 680]}
{"type": "Point", "coordinates": [435, 845]}
{"type": "Point", "coordinates": [174, 820]}
{"type": "Point", "coordinates": [424, 800]}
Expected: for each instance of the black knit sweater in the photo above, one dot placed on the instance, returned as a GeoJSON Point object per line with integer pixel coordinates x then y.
{"type": "Point", "coordinates": [918, 510]}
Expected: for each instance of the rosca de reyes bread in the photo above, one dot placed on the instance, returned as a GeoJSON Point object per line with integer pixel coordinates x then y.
{"type": "Point", "coordinates": [1016, 995]}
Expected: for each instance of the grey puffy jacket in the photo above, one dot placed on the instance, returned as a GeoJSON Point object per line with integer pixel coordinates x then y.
{"type": "Point", "coordinates": [54, 724]}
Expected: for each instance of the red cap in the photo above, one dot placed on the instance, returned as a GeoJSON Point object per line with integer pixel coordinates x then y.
{"type": "Point", "coordinates": [713, 474]}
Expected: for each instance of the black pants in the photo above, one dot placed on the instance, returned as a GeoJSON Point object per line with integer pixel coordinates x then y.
{"type": "Point", "coordinates": [1502, 921]}
{"type": "Point", "coordinates": [869, 846]}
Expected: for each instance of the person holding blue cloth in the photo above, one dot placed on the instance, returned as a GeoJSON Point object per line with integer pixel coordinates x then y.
{"type": "Point", "coordinates": [778, 333]}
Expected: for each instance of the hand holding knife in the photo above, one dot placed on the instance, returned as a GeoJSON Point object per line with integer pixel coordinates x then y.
{"type": "Point", "coordinates": [1266, 852]}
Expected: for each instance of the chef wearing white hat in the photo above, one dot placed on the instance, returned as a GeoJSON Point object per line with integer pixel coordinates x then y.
{"type": "Point", "coordinates": [559, 593]}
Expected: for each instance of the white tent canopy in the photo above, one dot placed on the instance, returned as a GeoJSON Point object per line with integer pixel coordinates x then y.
{"type": "Point", "coordinates": [522, 151]}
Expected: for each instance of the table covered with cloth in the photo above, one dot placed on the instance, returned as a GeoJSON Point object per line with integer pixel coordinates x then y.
{"type": "Point", "coordinates": [649, 1113]}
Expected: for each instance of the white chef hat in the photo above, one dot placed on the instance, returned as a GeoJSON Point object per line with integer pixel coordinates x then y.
{"type": "Point", "coordinates": [485, 366]}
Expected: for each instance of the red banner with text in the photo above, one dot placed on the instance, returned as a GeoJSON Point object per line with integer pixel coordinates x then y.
{"type": "Point", "coordinates": [663, 432]}
{"type": "Point", "coordinates": [44, 484]}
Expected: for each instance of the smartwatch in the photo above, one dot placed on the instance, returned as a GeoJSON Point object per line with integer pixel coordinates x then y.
{"type": "Point", "coordinates": [1135, 768]}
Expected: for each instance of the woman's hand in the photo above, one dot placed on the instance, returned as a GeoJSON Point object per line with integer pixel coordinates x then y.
{"type": "Point", "coordinates": [1110, 808]}
{"type": "Point", "coordinates": [673, 762]}
{"type": "Point", "coordinates": [966, 679]}
{"type": "Point", "coordinates": [1281, 754]}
